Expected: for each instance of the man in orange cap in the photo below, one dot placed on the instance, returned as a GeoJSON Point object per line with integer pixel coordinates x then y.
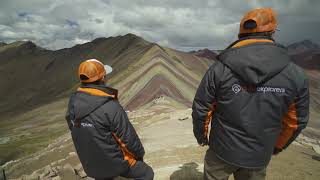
{"type": "Point", "coordinates": [257, 99]}
{"type": "Point", "coordinates": [106, 142]}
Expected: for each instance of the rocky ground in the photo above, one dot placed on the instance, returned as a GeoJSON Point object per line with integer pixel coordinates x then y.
{"type": "Point", "coordinates": [170, 149]}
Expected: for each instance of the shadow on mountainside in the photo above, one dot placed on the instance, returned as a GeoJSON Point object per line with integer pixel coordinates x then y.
{"type": "Point", "coordinates": [317, 158]}
{"type": "Point", "coordinates": [188, 171]}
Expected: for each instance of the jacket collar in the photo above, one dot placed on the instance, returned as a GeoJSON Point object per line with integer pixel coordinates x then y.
{"type": "Point", "coordinates": [250, 40]}
{"type": "Point", "coordinates": [256, 63]}
{"type": "Point", "coordinates": [99, 90]}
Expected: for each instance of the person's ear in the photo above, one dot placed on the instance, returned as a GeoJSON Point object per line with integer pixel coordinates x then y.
{"type": "Point", "coordinates": [273, 34]}
{"type": "Point", "coordinates": [104, 79]}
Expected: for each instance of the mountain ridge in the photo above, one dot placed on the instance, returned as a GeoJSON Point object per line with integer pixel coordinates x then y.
{"type": "Point", "coordinates": [116, 51]}
{"type": "Point", "coordinates": [37, 67]}
{"type": "Point", "coordinates": [302, 46]}
{"type": "Point", "coordinates": [206, 53]}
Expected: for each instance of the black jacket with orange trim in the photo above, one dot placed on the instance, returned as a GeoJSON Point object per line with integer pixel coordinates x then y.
{"type": "Point", "coordinates": [257, 99]}
{"type": "Point", "coordinates": [105, 140]}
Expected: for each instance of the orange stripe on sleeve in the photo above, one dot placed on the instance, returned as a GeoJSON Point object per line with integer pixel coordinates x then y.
{"type": "Point", "coordinates": [128, 156]}
{"type": "Point", "coordinates": [289, 126]}
{"type": "Point", "coordinates": [208, 120]}
{"type": "Point", "coordinates": [206, 123]}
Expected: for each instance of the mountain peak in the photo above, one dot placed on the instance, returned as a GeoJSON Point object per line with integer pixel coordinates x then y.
{"type": "Point", "coordinates": [306, 54]}
{"type": "Point", "coordinates": [23, 44]}
{"type": "Point", "coordinates": [304, 45]}
{"type": "Point", "coordinates": [18, 48]}
{"type": "Point", "coordinates": [206, 53]}
{"type": "Point", "coordinates": [131, 35]}
{"type": "Point", "coordinates": [2, 44]}
{"type": "Point", "coordinates": [99, 39]}
{"type": "Point", "coordinates": [309, 43]}
{"type": "Point", "coordinates": [128, 38]}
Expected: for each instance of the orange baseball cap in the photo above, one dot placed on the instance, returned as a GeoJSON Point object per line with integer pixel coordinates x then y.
{"type": "Point", "coordinates": [258, 20]}
{"type": "Point", "coordinates": [92, 70]}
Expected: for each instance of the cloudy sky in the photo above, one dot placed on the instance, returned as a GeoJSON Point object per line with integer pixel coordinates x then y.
{"type": "Point", "coordinates": [180, 24]}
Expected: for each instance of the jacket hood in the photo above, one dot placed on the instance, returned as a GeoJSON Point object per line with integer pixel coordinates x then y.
{"type": "Point", "coordinates": [82, 103]}
{"type": "Point", "coordinates": [256, 63]}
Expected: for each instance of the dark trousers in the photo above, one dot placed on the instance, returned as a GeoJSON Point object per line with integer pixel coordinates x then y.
{"type": "Point", "coordinates": [140, 171]}
{"type": "Point", "coordinates": [216, 169]}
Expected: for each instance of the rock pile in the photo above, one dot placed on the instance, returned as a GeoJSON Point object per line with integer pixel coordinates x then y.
{"type": "Point", "coordinates": [58, 172]}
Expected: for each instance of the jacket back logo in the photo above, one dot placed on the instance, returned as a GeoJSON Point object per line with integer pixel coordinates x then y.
{"type": "Point", "coordinates": [236, 88]}
{"type": "Point", "coordinates": [78, 125]}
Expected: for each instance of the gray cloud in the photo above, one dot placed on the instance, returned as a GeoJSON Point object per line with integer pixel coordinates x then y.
{"type": "Point", "coordinates": [181, 24]}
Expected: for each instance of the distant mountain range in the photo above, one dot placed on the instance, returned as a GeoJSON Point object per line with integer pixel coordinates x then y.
{"type": "Point", "coordinates": [32, 76]}
{"type": "Point", "coordinates": [302, 46]}
{"type": "Point", "coordinates": [2, 44]}
{"type": "Point", "coordinates": [306, 54]}
{"type": "Point", "coordinates": [206, 53]}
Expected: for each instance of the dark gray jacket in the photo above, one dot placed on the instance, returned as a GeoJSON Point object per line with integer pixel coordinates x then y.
{"type": "Point", "coordinates": [257, 99]}
{"type": "Point", "coordinates": [92, 119]}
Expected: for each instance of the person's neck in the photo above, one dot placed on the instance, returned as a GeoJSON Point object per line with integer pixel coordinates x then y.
{"type": "Point", "coordinates": [251, 36]}
{"type": "Point", "coordinates": [92, 85]}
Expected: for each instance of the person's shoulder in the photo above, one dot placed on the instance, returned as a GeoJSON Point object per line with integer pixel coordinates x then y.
{"type": "Point", "coordinates": [218, 69]}
{"type": "Point", "coordinates": [72, 97]}
{"type": "Point", "coordinates": [112, 105]}
{"type": "Point", "coordinates": [217, 65]}
{"type": "Point", "coordinates": [296, 69]}
{"type": "Point", "coordinates": [297, 74]}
